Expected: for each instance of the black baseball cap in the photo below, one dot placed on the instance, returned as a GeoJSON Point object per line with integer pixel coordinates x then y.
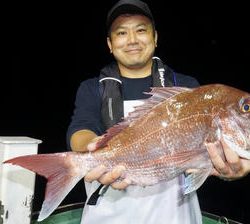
{"type": "Point", "coordinates": [128, 7]}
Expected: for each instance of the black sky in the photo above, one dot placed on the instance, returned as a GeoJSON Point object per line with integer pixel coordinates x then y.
{"type": "Point", "coordinates": [50, 49]}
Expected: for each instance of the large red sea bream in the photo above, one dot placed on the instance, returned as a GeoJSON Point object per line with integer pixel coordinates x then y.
{"type": "Point", "coordinates": [158, 141]}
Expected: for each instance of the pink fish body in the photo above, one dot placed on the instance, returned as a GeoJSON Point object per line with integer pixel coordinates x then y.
{"type": "Point", "coordinates": [158, 141]}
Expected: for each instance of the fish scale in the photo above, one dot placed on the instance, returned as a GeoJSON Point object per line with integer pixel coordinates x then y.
{"type": "Point", "coordinates": [160, 140]}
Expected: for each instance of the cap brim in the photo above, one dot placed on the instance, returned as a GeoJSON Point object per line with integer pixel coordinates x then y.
{"type": "Point", "coordinates": [126, 9]}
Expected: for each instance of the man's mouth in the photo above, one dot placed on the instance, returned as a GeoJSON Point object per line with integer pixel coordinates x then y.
{"type": "Point", "coordinates": [133, 50]}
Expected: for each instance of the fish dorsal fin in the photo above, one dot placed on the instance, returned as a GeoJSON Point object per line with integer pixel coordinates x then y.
{"type": "Point", "coordinates": [163, 93]}
{"type": "Point", "coordinates": [158, 95]}
{"type": "Point", "coordinates": [111, 132]}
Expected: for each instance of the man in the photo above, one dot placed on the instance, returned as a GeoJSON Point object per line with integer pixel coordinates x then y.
{"type": "Point", "coordinates": [102, 101]}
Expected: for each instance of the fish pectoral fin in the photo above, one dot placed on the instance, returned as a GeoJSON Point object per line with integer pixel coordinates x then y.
{"type": "Point", "coordinates": [195, 179]}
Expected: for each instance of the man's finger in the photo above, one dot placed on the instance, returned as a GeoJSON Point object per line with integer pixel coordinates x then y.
{"type": "Point", "coordinates": [191, 170]}
{"type": "Point", "coordinates": [92, 146]}
{"type": "Point", "coordinates": [214, 153]}
{"type": "Point", "coordinates": [121, 185]}
{"type": "Point", "coordinates": [112, 176]}
{"type": "Point", "coordinates": [214, 172]}
{"type": "Point", "coordinates": [231, 157]}
{"type": "Point", "coordinates": [95, 174]}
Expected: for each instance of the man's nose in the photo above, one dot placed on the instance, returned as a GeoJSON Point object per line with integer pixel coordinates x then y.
{"type": "Point", "coordinates": [132, 38]}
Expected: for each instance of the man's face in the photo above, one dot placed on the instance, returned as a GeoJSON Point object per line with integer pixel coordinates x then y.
{"type": "Point", "coordinates": [132, 41]}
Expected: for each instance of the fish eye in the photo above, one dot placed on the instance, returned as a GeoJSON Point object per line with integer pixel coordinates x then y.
{"type": "Point", "coordinates": [246, 107]}
{"type": "Point", "coordinates": [244, 104]}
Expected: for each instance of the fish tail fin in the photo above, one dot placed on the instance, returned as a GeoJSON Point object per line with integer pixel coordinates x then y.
{"type": "Point", "coordinates": [61, 171]}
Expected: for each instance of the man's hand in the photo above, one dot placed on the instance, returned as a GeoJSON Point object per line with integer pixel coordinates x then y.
{"type": "Point", "coordinates": [107, 178]}
{"type": "Point", "coordinates": [232, 166]}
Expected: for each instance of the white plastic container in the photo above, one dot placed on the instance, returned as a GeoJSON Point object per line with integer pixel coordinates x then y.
{"type": "Point", "coordinates": [16, 183]}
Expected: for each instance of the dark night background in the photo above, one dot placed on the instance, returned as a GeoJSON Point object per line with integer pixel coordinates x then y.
{"type": "Point", "coordinates": [52, 48]}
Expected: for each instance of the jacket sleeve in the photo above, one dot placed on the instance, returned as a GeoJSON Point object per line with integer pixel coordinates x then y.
{"type": "Point", "coordinates": [87, 111]}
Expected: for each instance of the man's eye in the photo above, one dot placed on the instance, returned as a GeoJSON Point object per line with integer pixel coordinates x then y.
{"type": "Point", "coordinates": [141, 30]}
{"type": "Point", "coordinates": [120, 33]}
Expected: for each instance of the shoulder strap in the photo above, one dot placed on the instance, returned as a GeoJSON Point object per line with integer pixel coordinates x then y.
{"type": "Point", "coordinates": [97, 193]}
{"type": "Point", "coordinates": [111, 89]}
{"type": "Point", "coordinates": [163, 76]}
{"type": "Point", "coordinates": [111, 93]}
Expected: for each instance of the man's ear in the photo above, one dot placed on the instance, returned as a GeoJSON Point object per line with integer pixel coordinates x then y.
{"type": "Point", "coordinates": [109, 44]}
{"type": "Point", "coordinates": [156, 38]}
